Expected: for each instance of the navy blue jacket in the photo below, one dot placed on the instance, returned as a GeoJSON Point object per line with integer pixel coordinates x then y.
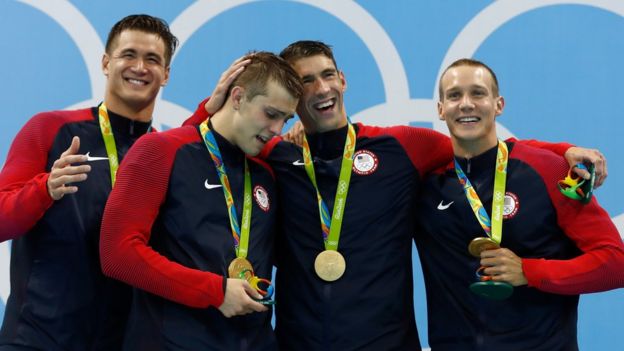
{"type": "Point", "coordinates": [371, 306]}
{"type": "Point", "coordinates": [60, 300]}
{"type": "Point", "coordinates": [566, 248]}
{"type": "Point", "coordinates": [177, 245]}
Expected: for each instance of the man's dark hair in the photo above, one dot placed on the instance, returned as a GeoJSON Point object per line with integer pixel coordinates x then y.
{"type": "Point", "coordinates": [307, 48]}
{"type": "Point", "coordinates": [147, 24]}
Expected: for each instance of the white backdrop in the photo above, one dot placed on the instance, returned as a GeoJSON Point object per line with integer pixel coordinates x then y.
{"type": "Point", "coordinates": [558, 62]}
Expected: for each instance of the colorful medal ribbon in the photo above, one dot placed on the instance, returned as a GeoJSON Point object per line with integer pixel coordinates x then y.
{"type": "Point", "coordinates": [493, 228]}
{"type": "Point", "coordinates": [331, 229]}
{"type": "Point", "coordinates": [241, 238]}
{"type": "Point", "coordinates": [109, 141]}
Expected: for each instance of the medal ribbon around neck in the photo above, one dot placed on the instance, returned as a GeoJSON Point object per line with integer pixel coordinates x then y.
{"type": "Point", "coordinates": [109, 141]}
{"type": "Point", "coordinates": [493, 228]}
{"type": "Point", "coordinates": [331, 228]}
{"type": "Point", "coordinates": [241, 237]}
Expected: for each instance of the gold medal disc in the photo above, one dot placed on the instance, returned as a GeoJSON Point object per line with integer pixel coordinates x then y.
{"type": "Point", "coordinates": [330, 265]}
{"type": "Point", "coordinates": [477, 245]}
{"type": "Point", "coordinates": [238, 265]}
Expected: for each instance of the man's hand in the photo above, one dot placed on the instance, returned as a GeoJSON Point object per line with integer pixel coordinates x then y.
{"type": "Point", "coordinates": [63, 172]}
{"type": "Point", "coordinates": [576, 155]}
{"type": "Point", "coordinates": [295, 134]}
{"type": "Point", "coordinates": [503, 266]}
{"type": "Point", "coordinates": [237, 299]}
{"type": "Point", "coordinates": [217, 98]}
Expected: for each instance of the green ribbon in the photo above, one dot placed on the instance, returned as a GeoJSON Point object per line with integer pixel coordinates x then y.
{"type": "Point", "coordinates": [109, 141]}
{"type": "Point", "coordinates": [331, 228]}
{"type": "Point", "coordinates": [493, 228]}
{"type": "Point", "coordinates": [241, 237]}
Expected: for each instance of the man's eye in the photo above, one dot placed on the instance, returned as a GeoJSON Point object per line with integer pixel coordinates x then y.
{"type": "Point", "coordinates": [154, 60]}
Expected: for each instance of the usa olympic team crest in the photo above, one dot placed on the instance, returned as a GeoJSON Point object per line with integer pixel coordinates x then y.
{"type": "Point", "coordinates": [262, 198]}
{"type": "Point", "coordinates": [511, 205]}
{"type": "Point", "coordinates": [365, 162]}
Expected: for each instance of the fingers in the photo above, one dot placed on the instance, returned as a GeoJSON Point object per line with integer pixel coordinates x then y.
{"type": "Point", "coordinates": [217, 98]}
{"type": "Point", "coordinates": [251, 291]}
{"type": "Point", "coordinates": [233, 71]}
{"type": "Point", "coordinates": [63, 173]}
{"type": "Point", "coordinates": [600, 168]}
{"type": "Point", "coordinates": [576, 155]}
{"type": "Point", "coordinates": [68, 175]}
{"type": "Point", "coordinates": [238, 299]}
{"type": "Point", "coordinates": [503, 265]}
{"type": "Point", "coordinates": [68, 159]}
{"type": "Point", "coordinates": [257, 306]}
{"type": "Point", "coordinates": [295, 134]}
{"type": "Point", "coordinates": [299, 133]}
{"type": "Point", "coordinates": [73, 148]}
{"type": "Point", "coordinates": [251, 304]}
{"type": "Point", "coordinates": [289, 136]}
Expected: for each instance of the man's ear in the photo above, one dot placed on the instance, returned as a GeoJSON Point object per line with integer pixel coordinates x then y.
{"type": "Point", "coordinates": [343, 80]}
{"type": "Point", "coordinates": [441, 111]}
{"type": "Point", "coordinates": [500, 105]}
{"type": "Point", "coordinates": [105, 62]}
{"type": "Point", "coordinates": [166, 80]}
{"type": "Point", "coordinates": [237, 95]}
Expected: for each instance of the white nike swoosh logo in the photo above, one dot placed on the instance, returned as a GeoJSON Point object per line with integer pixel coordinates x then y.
{"type": "Point", "coordinates": [443, 207]}
{"type": "Point", "coordinates": [92, 158]}
{"type": "Point", "coordinates": [298, 163]}
{"type": "Point", "coordinates": [211, 186]}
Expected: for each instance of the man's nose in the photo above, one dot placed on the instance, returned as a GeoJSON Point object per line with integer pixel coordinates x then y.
{"type": "Point", "coordinates": [466, 103]}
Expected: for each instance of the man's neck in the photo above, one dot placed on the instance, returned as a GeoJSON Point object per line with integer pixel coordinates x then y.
{"type": "Point", "coordinates": [311, 127]}
{"type": "Point", "coordinates": [221, 123]}
{"type": "Point", "coordinates": [135, 114]}
{"type": "Point", "coordinates": [470, 148]}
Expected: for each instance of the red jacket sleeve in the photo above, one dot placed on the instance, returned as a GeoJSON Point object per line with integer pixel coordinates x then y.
{"type": "Point", "coordinates": [558, 148]}
{"type": "Point", "coordinates": [130, 212]}
{"type": "Point", "coordinates": [24, 197]}
{"type": "Point", "coordinates": [426, 148]}
{"type": "Point", "coordinates": [199, 115]}
{"type": "Point", "coordinates": [601, 265]}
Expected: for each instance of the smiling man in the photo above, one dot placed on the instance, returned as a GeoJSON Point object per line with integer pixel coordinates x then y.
{"type": "Point", "coordinates": [203, 218]}
{"type": "Point", "coordinates": [553, 248]}
{"type": "Point", "coordinates": [344, 277]}
{"type": "Point", "coordinates": [53, 187]}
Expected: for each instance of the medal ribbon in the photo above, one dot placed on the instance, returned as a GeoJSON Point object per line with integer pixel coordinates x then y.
{"type": "Point", "coordinates": [493, 228]}
{"type": "Point", "coordinates": [241, 237]}
{"type": "Point", "coordinates": [331, 228]}
{"type": "Point", "coordinates": [109, 141]}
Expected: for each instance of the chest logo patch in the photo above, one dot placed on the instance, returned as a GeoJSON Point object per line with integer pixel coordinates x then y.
{"type": "Point", "coordinates": [511, 205]}
{"type": "Point", "coordinates": [365, 162]}
{"type": "Point", "coordinates": [262, 198]}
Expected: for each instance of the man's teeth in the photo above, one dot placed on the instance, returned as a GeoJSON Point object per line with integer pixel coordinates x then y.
{"type": "Point", "coordinates": [325, 104]}
{"type": "Point", "coordinates": [468, 119]}
{"type": "Point", "coordinates": [136, 81]}
{"type": "Point", "coordinates": [263, 139]}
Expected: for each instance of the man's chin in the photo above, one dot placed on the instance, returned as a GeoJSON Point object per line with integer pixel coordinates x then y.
{"type": "Point", "coordinates": [251, 151]}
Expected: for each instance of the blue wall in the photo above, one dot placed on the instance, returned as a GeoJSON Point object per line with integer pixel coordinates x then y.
{"type": "Point", "coordinates": [556, 62]}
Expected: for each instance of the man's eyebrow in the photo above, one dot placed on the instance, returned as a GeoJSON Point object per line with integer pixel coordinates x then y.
{"type": "Point", "coordinates": [280, 112]}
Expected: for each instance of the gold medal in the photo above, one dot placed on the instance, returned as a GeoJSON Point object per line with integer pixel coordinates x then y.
{"type": "Point", "coordinates": [237, 266]}
{"type": "Point", "coordinates": [330, 265]}
{"type": "Point", "coordinates": [478, 245]}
